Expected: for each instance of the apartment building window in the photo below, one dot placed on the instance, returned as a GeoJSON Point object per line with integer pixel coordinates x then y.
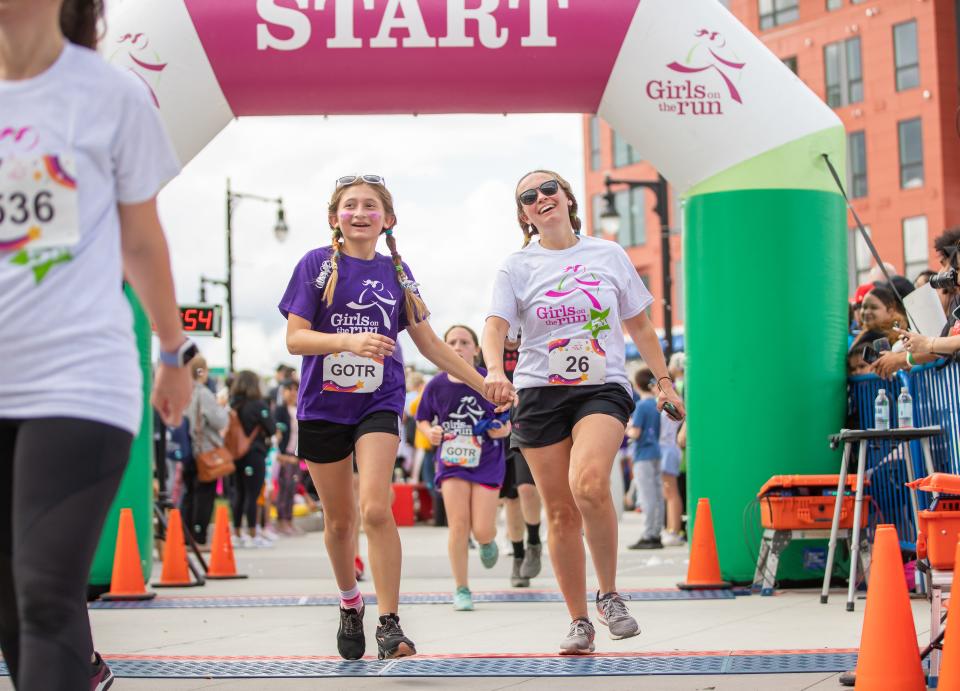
{"type": "Point", "coordinates": [776, 12]}
{"type": "Point", "coordinates": [857, 157]}
{"type": "Point", "coordinates": [791, 62]}
{"type": "Point", "coordinates": [844, 72]}
{"type": "Point", "coordinates": [911, 153]}
{"type": "Point", "coordinates": [906, 56]}
{"type": "Point", "coordinates": [834, 5]}
{"type": "Point", "coordinates": [623, 152]}
{"type": "Point", "coordinates": [595, 161]}
{"type": "Point", "coordinates": [633, 219]}
{"type": "Point", "coordinates": [859, 259]}
{"type": "Point", "coordinates": [916, 253]}
{"type": "Point", "coordinates": [597, 209]}
{"type": "Point", "coordinates": [646, 281]}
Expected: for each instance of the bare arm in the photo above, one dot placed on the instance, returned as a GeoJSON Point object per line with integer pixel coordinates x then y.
{"type": "Point", "coordinates": [433, 433]}
{"type": "Point", "coordinates": [302, 340]}
{"type": "Point", "coordinates": [647, 342]}
{"type": "Point", "coordinates": [443, 356]}
{"type": "Point", "coordinates": [498, 387]}
{"type": "Point", "coordinates": [146, 266]}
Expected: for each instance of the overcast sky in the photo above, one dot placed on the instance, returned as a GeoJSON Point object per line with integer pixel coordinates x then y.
{"type": "Point", "coordinates": [452, 178]}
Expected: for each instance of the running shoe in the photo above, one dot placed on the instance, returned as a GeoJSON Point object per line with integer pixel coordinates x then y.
{"type": "Point", "coordinates": [531, 561]}
{"type": "Point", "coordinates": [247, 542]}
{"type": "Point", "coordinates": [463, 600]}
{"type": "Point", "coordinates": [261, 542]}
{"type": "Point", "coordinates": [101, 678]}
{"type": "Point", "coordinates": [612, 613]}
{"type": "Point", "coordinates": [517, 580]}
{"type": "Point", "coordinates": [579, 640]}
{"type": "Point", "coordinates": [351, 642]}
{"type": "Point", "coordinates": [391, 642]}
{"type": "Point", "coordinates": [647, 543]}
{"type": "Point", "coordinates": [358, 568]}
{"type": "Point", "coordinates": [669, 539]}
{"type": "Point", "coordinates": [489, 552]}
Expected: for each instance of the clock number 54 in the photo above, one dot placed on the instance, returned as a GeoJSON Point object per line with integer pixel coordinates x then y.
{"type": "Point", "coordinates": [19, 208]}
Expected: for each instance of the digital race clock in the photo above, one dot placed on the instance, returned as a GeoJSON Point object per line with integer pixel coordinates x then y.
{"type": "Point", "coordinates": [201, 320]}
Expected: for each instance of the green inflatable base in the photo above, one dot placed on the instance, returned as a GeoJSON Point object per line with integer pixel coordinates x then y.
{"type": "Point", "coordinates": [136, 487]}
{"type": "Point", "coordinates": [766, 335]}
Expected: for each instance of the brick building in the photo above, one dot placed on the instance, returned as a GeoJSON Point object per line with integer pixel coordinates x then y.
{"type": "Point", "coordinates": [891, 69]}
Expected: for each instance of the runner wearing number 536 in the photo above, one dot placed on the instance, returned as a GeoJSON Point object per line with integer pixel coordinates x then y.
{"type": "Point", "coordinates": [570, 294]}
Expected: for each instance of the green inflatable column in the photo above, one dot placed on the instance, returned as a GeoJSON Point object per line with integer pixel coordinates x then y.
{"type": "Point", "coordinates": [766, 317]}
{"type": "Point", "coordinates": [136, 487]}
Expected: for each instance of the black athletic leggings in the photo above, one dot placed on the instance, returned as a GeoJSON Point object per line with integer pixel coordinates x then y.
{"type": "Point", "coordinates": [251, 472]}
{"type": "Point", "coordinates": [58, 477]}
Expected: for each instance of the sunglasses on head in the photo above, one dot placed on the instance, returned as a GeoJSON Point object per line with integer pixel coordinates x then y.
{"type": "Point", "coordinates": [369, 179]}
{"type": "Point", "coordinates": [549, 188]}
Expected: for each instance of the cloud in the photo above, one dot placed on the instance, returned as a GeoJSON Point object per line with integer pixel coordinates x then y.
{"type": "Point", "coordinates": [452, 177]}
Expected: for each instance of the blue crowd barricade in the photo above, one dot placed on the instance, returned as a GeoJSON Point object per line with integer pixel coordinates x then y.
{"type": "Point", "coordinates": [935, 390]}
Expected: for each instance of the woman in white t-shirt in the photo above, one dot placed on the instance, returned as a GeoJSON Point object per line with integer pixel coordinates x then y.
{"type": "Point", "coordinates": [82, 156]}
{"type": "Point", "coordinates": [569, 295]}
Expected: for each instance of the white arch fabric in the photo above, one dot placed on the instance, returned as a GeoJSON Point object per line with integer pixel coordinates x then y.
{"type": "Point", "coordinates": [682, 80]}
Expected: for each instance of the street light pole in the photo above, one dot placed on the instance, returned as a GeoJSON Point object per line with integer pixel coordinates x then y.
{"type": "Point", "coordinates": [280, 229]}
{"type": "Point", "coordinates": [662, 209]}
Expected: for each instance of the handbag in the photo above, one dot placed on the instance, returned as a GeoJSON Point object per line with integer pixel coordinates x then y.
{"type": "Point", "coordinates": [215, 463]}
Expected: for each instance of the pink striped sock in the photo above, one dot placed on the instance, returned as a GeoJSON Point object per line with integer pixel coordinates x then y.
{"type": "Point", "coordinates": [351, 599]}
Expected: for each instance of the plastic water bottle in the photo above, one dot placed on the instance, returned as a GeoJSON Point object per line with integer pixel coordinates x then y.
{"type": "Point", "coordinates": [881, 408]}
{"type": "Point", "coordinates": [904, 409]}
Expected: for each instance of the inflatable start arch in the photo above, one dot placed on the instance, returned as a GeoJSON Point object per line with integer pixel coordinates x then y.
{"type": "Point", "coordinates": [682, 80]}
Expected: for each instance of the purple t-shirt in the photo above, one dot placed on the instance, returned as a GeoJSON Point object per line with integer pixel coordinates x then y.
{"type": "Point", "coordinates": [368, 298]}
{"type": "Point", "coordinates": [456, 408]}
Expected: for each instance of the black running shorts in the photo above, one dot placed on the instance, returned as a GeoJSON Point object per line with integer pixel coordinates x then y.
{"type": "Point", "coordinates": [320, 441]}
{"type": "Point", "coordinates": [547, 414]}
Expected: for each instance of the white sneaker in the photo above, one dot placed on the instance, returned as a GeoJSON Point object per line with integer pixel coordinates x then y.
{"type": "Point", "coordinates": [271, 534]}
{"type": "Point", "coordinates": [669, 539]}
{"type": "Point", "coordinates": [247, 542]}
{"type": "Point", "coordinates": [260, 542]}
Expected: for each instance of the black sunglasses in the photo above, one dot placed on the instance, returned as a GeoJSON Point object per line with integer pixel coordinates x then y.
{"type": "Point", "coordinates": [370, 179]}
{"type": "Point", "coordinates": [549, 188]}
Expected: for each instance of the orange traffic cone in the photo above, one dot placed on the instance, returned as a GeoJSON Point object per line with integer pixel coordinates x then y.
{"type": "Point", "coordinates": [176, 571]}
{"type": "Point", "coordinates": [703, 573]}
{"type": "Point", "coordinates": [950, 657]}
{"type": "Point", "coordinates": [126, 582]}
{"type": "Point", "coordinates": [222, 564]}
{"type": "Point", "coordinates": [889, 656]}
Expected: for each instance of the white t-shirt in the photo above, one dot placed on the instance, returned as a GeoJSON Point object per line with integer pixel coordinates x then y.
{"type": "Point", "coordinates": [67, 346]}
{"type": "Point", "coordinates": [580, 293]}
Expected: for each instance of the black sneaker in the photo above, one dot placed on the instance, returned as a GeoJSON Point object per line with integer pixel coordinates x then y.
{"type": "Point", "coordinates": [647, 543]}
{"type": "Point", "coordinates": [351, 642]}
{"type": "Point", "coordinates": [101, 678]}
{"type": "Point", "coordinates": [391, 642]}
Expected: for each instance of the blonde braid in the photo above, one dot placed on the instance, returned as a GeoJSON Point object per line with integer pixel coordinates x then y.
{"type": "Point", "coordinates": [331, 286]}
{"type": "Point", "coordinates": [416, 309]}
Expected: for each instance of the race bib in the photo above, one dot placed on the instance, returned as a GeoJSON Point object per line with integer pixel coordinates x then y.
{"type": "Point", "coordinates": [349, 373]}
{"type": "Point", "coordinates": [460, 450]}
{"type": "Point", "coordinates": [576, 362]}
{"type": "Point", "coordinates": [38, 203]}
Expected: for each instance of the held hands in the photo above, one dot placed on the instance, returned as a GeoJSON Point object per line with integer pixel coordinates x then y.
{"type": "Point", "coordinates": [669, 395]}
{"type": "Point", "coordinates": [172, 389]}
{"type": "Point", "coordinates": [435, 435]}
{"type": "Point", "coordinates": [370, 345]}
{"type": "Point", "coordinates": [915, 343]}
{"type": "Point", "coordinates": [889, 363]}
{"type": "Point", "coordinates": [499, 390]}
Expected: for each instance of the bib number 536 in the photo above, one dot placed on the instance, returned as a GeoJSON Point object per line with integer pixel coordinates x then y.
{"type": "Point", "coordinates": [20, 208]}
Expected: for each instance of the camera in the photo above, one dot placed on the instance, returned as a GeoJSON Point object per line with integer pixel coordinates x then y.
{"type": "Point", "coordinates": [945, 280]}
{"type": "Point", "coordinates": [872, 351]}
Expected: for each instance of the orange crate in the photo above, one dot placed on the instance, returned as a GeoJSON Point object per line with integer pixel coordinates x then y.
{"type": "Point", "coordinates": [805, 513]}
{"type": "Point", "coordinates": [808, 508]}
{"type": "Point", "coordinates": [938, 534]}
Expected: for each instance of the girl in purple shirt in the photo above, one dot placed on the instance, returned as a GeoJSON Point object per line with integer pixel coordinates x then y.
{"type": "Point", "coordinates": [345, 305]}
{"type": "Point", "coordinates": [470, 466]}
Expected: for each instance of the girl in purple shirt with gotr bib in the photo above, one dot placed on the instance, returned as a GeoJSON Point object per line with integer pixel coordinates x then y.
{"type": "Point", "coordinates": [470, 461]}
{"type": "Point", "coordinates": [344, 306]}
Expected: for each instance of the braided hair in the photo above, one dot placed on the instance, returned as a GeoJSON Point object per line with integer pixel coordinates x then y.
{"type": "Point", "coordinates": [529, 230]}
{"type": "Point", "coordinates": [413, 303]}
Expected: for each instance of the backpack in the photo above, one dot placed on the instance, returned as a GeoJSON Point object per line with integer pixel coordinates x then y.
{"type": "Point", "coordinates": [235, 439]}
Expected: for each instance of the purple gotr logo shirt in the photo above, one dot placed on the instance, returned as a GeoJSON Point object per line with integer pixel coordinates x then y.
{"type": "Point", "coordinates": [368, 298]}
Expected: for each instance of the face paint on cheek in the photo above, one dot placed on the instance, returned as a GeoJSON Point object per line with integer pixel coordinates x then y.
{"type": "Point", "coordinates": [346, 216]}
{"type": "Point", "coordinates": [375, 216]}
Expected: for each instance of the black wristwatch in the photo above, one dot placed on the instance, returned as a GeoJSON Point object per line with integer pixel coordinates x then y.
{"type": "Point", "coordinates": [181, 356]}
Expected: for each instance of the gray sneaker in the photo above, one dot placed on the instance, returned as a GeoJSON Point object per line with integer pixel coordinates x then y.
{"type": "Point", "coordinates": [612, 613]}
{"type": "Point", "coordinates": [579, 640]}
{"type": "Point", "coordinates": [531, 561]}
{"type": "Point", "coordinates": [516, 580]}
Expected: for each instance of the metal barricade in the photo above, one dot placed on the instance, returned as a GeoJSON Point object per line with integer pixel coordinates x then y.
{"type": "Point", "coordinates": [936, 401]}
